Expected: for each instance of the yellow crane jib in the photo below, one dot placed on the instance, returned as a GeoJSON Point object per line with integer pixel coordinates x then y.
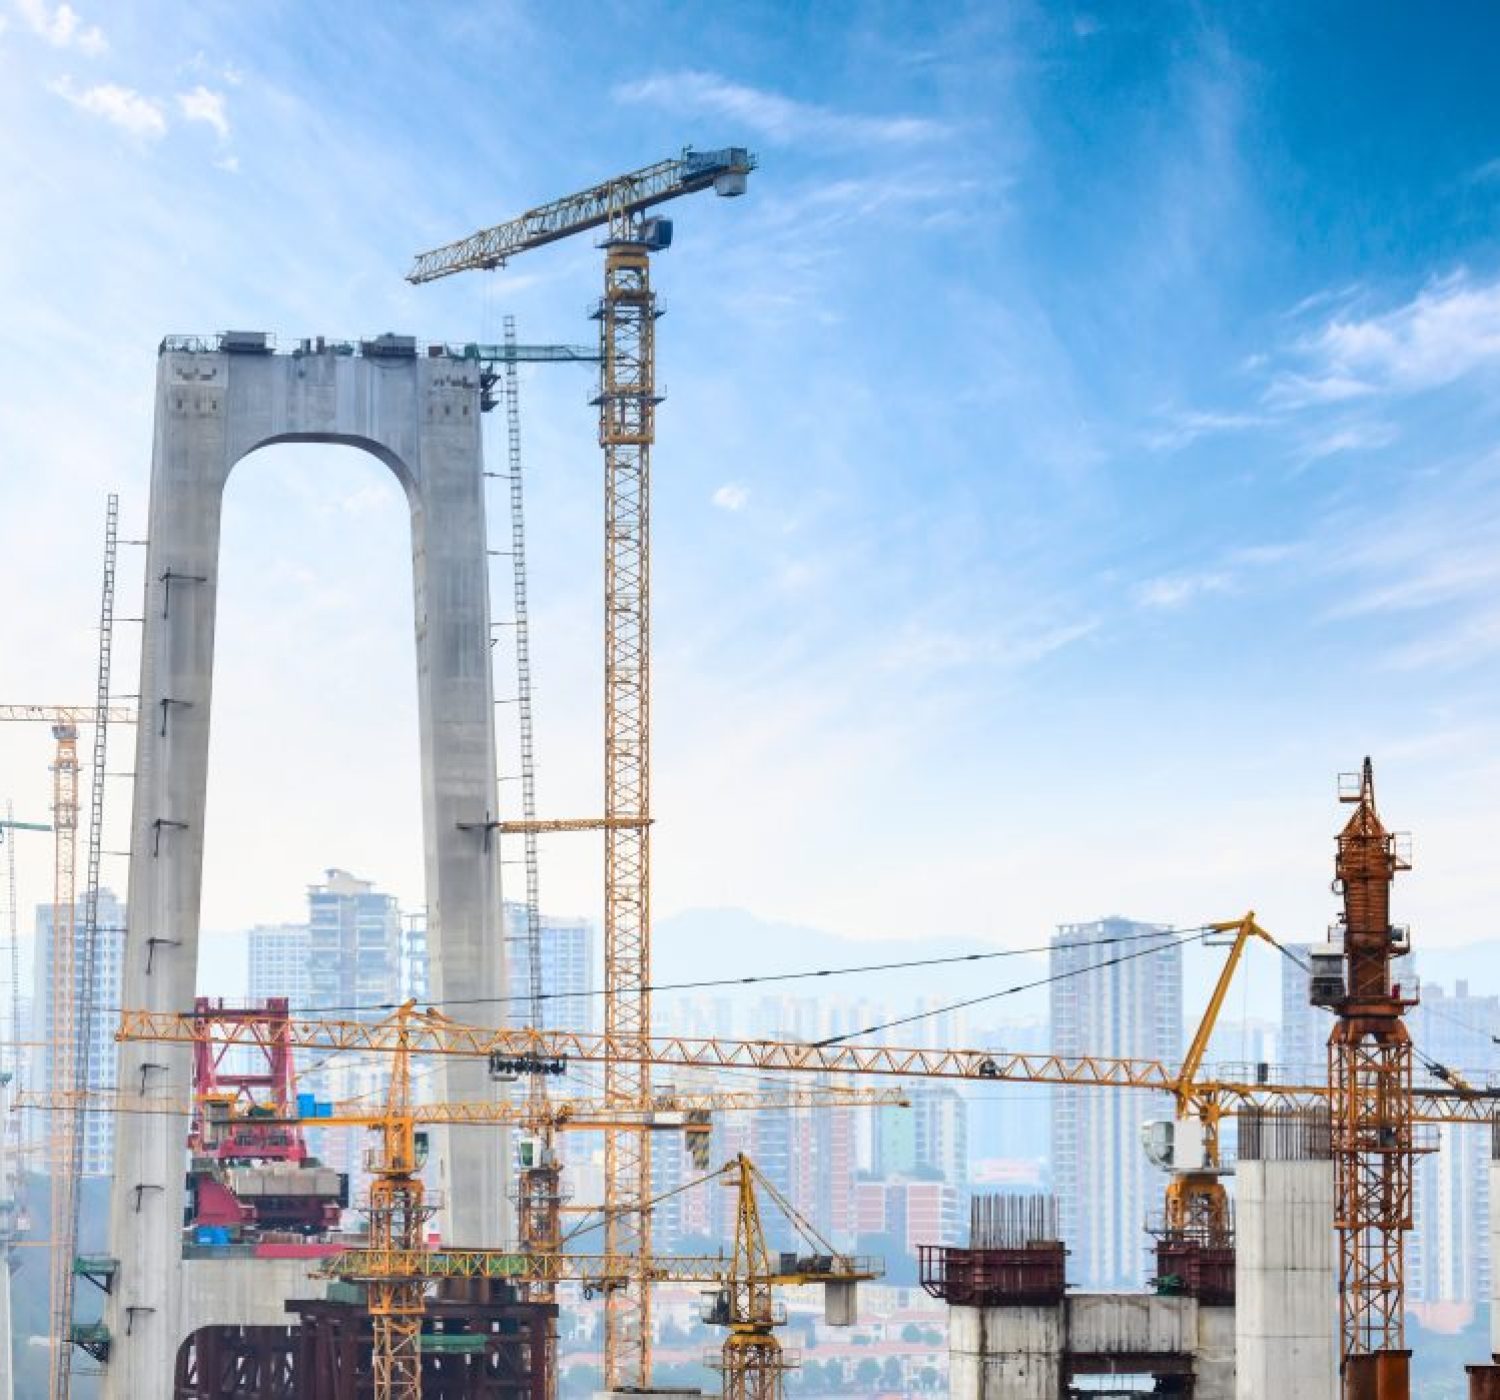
{"type": "Point", "coordinates": [724, 171]}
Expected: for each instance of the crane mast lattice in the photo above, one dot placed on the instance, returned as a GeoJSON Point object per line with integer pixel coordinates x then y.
{"type": "Point", "coordinates": [1370, 1073]}
{"type": "Point", "coordinates": [627, 402]}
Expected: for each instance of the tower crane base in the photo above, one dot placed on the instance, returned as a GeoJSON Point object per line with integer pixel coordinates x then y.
{"type": "Point", "coordinates": [1378, 1375]}
{"type": "Point", "coordinates": [1484, 1382]}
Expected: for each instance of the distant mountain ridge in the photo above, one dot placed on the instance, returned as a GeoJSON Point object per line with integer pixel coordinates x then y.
{"type": "Point", "coordinates": [723, 944]}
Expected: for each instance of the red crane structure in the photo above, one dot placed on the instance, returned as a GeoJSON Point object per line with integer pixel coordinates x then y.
{"type": "Point", "coordinates": [251, 1169]}
{"type": "Point", "coordinates": [1370, 1078]}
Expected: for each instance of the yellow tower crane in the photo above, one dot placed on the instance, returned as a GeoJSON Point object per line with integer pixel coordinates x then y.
{"type": "Point", "coordinates": [397, 1213]}
{"type": "Point", "coordinates": [1197, 1206]}
{"type": "Point", "coordinates": [66, 976]}
{"type": "Point", "coordinates": [627, 402]}
{"type": "Point", "coordinates": [1206, 1098]}
{"type": "Point", "coordinates": [396, 1268]}
{"type": "Point", "coordinates": [1430, 1104]}
{"type": "Point", "coordinates": [753, 1361]}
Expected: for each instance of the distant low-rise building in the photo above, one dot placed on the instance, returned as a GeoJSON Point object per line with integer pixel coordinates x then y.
{"type": "Point", "coordinates": [907, 1214]}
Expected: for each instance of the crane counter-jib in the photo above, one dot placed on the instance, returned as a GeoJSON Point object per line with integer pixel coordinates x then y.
{"type": "Point", "coordinates": [437, 1035]}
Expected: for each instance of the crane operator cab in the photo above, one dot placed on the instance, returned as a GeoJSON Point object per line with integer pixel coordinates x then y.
{"type": "Point", "coordinates": [729, 166]}
{"type": "Point", "coordinates": [1326, 974]}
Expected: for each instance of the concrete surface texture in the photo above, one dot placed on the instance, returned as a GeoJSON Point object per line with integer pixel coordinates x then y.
{"type": "Point", "coordinates": [1495, 1245]}
{"type": "Point", "coordinates": [216, 1292]}
{"type": "Point", "coordinates": [1022, 1353]}
{"type": "Point", "coordinates": [1015, 1353]}
{"type": "Point", "coordinates": [1285, 1280]}
{"type": "Point", "coordinates": [420, 416]}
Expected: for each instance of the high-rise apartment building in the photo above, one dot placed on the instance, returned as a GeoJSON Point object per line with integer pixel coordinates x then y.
{"type": "Point", "coordinates": [416, 968]}
{"type": "Point", "coordinates": [1117, 991]}
{"type": "Point", "coordinates": [354, 947]}
{"type": "Point", "coordinates": [278, 957]}
{"type": "Point", "coordinates": [1303, 1049]}
{"type": "Point", "coordinates": [353, 972]}
{"type": "Point", "coordinates": [567, 966]}
{"type": "Point", "coordinates": [928, 1141]}
{"type": "Point", "coordinates": [108, 981]}
{"type": "Point", "coordinates": [1448, 1254]}
{"type": "Point", "coordinates": [1015, 1128]}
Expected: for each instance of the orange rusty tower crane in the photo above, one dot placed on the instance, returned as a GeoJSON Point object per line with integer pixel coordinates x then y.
{"type": "Point", "coordinates": [627, 402]}
{"type": "Point", "coordinates": [1370, 1077]}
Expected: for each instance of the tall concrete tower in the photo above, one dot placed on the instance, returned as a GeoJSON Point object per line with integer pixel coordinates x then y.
{"type": "Point", "coordinates": [217, 402]}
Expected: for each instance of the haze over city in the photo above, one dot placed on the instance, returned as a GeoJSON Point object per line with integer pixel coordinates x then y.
{"type": "Point", "coordinates": [1075, 463]}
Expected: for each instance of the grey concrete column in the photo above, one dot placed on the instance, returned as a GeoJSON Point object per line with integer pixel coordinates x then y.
{"type": "Point", "coordinates": [420, 416]}
{"type": "Point", "coordinates": [1005, 1353]}
{"type": "Point", "coordinates": [1286, 1261]}
{"type": "Point", "coordinates": [1214, 1365]}
{"type": "Point", "coordinates": [1495, 1239]}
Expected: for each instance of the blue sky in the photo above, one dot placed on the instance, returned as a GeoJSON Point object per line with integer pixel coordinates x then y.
{"type": "Point", "coordinates": [1080, 443]}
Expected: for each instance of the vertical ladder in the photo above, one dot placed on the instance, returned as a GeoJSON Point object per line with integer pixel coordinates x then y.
{"type": "Point", "coordinates": [88, 955]}
{"type": "Point", "coordinates": [523, 676]}
{"type": "Point", "coordinates": [13, 1011]}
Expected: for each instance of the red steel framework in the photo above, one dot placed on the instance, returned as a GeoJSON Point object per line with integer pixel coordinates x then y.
{"type": "Point", "coordinates": [269, 1089]}
{"type": "Point", "coordinates": [245, 1128]}
{"type": "Point", "coordinates": [1370, 1074]}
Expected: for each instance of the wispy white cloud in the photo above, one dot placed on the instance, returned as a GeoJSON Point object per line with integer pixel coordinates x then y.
{"type": "Point", "coordinates": [1471, 637]}
{"type": "Point", "coordinates": [1292, 391]}
{"type": "Point", "coordinates": [1184, 427]}
{"type": "Point", "coordinates": [1423, 570]}
{"type": "Point", "coordinates": [120, 106]}
{"type": "Point", "coordinates": [925, 650]}
{"type": "Point", "coordinates": [1171, 591]}
{"type": "Point", "coordinates": [61, 26]}
{"type": "Point", "coordinates": [1316, 301]}
{"type": "Point", "coordinates": [1447, 331]}
{"type": "Point", "coordinates": [1487, 172]}
{"type": "Point", "coordinates": [732, 495]}
{"type": "Point", "coordinates": [1355, 436]}
{"type": "Point", "coordinates": [775, 117]}
{"type": "Point", "coordinates": [206, 106]}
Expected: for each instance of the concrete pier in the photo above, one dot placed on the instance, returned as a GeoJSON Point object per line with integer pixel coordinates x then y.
{"type": "Point", "coordinates": [1015, 1352]}
{"type": "Point", "coordinates": [1034, 1352]}
{"type": "Point", "coordinates": [1286, 1263]}
{"type": "Point", "coordinates": [217, 402]}
{"type": "Point", "coordinates": [1484, 1377]}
